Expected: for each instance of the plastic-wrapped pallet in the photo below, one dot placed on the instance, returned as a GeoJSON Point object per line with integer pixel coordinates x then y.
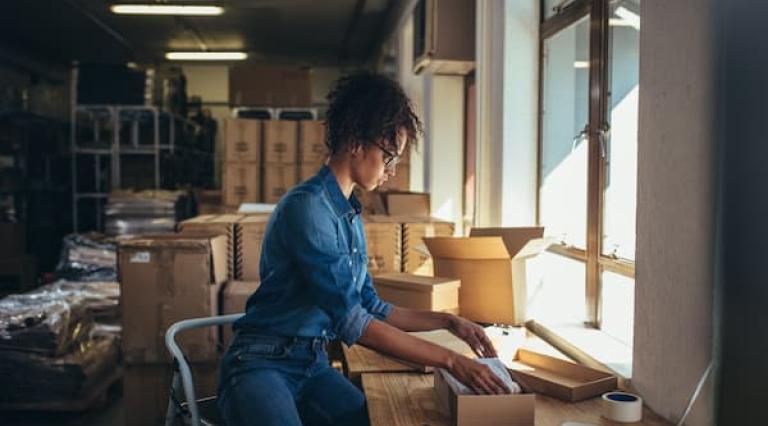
{"type": "Point", "coordinates": [88, 257]}
{"type": "Point", "coordinates": [145, 212]}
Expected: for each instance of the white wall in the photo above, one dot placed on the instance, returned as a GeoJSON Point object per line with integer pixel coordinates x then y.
{"type": "Point", "coordinates": [507, 110]}
{"type": "Point", "coordinates": [675, 207]}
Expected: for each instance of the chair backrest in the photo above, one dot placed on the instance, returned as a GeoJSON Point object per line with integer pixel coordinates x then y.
{"type": "Point", "coordinates": [183, 367]}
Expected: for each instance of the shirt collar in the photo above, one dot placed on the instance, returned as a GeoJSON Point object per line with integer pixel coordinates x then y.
{"type": "Point", "coordinates": [341, 204]}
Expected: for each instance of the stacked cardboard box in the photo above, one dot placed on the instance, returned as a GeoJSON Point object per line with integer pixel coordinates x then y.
{"type": "Point", "coordinates": [312, 149]}
{"type": "Point", "coordinates": [383, 244]}
{"type": "Point", "coordinates": [242, 165]}
{"type": "Point", "coordinates": [258, 85]}
{"type": "Point", "coordinates": [234, 296]}
{"type": "Point", "coordinates": [217, 225]}
{"type": "Point", "coordinates": [165, 279]}
{"type": "Point", "coordinates": [416, 257]}
{"type": "Point", "coordinates": [419, 292]}
{"type": "Point", "coordinates": [250, 234]}
{"type": "Point", "coordinates": [280, 158]}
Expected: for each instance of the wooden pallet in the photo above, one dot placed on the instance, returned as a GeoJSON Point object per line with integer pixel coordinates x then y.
{"type": "Point", "coordinates": [93, 397]}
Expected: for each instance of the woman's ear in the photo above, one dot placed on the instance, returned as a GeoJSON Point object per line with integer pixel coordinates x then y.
{"type": "Point", "coordinates": [355, 150]}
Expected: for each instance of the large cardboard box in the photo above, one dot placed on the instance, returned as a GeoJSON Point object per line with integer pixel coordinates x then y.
{"type": "Point", "coordinates": [371, 202]}
{"type": "Point", "coordinates": [491, 266]}
{"type": "Point", "coordinates": [278, 179]}
{"type": "Point", "coordinates": [281, 138]}
{"type": "Point", "coordinates": [307, 170]}
{"type": "Point", "coordinates": [383, 244]}
{"type": "Point", "coordinates": [558, 378]}
{"type": "Point", "coordinates": [14, 240]}
{"type": "Point", "coordinates": [242, 140]}
{"type": "Point", "coordinates": [241, 183]}
{"type": "Point", "coordinates": [312, 148]}
{"type": "Point", "coordinates": [250, 235]}
{"type": "Point", "coordinates": [407, 203]}
{"type": "Point", "coordinates": [401, 181]}
{"type": "Point", "coordinates": [234, 295]}
{"type": "Point", "coordinates": [484, 410]}
{"type": "Point", "coordinates": [256, 85]}
{"type": "Point", "coordinates": [419, 292]}
{"type": "Point", "coordinates": [165, 279]}
{"type": "Point", "coordinates": [216, 224]}
{"type": "Point", "coordinates": [416, 257]}
{"type": "Point", "coordinates": [146, 389]}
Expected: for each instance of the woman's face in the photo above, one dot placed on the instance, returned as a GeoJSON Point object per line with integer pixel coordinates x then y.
{"type": "Point", "coordinates": [368, 164]}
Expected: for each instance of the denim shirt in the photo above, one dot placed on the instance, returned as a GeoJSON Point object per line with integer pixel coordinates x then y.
{"type": "Point", "coordinates": [314, 275]}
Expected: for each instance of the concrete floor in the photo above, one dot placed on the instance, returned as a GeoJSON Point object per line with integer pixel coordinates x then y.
{"type": "Point", "coordinates": [112, 413]}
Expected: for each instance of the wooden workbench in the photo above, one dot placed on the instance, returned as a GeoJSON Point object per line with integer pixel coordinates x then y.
{"type": "Point", "coordinates": [408, 399]}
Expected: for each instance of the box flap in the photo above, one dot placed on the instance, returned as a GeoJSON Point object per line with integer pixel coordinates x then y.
{"type": "Point", "coordinates": [467, 248]}
{"type": "Point", "coordinates": [258, 219]}
{"type": "Point", "coordinates": [176, 241]}
{"type": "Point", "coordinates": [219, 258]}
{"type": "Point", "coordinates": [514, 238]}
{"type": "Point", "coordinates": [226, 218]}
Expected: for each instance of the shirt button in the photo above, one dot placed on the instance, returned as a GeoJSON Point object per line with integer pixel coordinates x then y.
{"type": "Point", "coordinates": [354, 279]}
{"type": "Point", "coordinates": [350, 263]}
{"type": "Point", "coordinates": [324, 333]}
{"type": "Point", "coordinates": [354, 250]}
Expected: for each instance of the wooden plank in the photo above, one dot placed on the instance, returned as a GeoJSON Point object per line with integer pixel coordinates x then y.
{"type": "Point", "coordinates": [402, 399]}
{"type": "Point", "coordinates": [409, 399]}
{"type": "Point", "coordinates": [359, 360]}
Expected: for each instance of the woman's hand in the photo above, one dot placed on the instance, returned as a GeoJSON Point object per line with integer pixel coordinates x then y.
{"type": "Point", "coordinates": [478, 377]}
{"type": "Point", "coordinates": [474, 335]}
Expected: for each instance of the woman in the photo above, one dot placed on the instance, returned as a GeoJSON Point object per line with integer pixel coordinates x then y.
{"type": "Point", "coordinates": [315, 284]}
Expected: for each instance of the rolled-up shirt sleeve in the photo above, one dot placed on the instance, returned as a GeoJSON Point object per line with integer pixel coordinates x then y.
{"type": "Point", "coordinates": [371, 301]}
{"type": "Point", "coordinates": [324, 267]}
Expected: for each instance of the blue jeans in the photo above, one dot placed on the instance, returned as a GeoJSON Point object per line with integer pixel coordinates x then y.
{"type": "Point", "coordinates": [285, 381]}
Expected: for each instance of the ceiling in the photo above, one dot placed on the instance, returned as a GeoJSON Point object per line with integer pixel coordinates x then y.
{"type": "Point", "coordinates": [307, 32]}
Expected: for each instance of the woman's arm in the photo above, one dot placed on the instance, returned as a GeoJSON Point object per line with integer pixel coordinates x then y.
{"type": "Point", "coordinates": [416, 320]}
{"type": "Point", "coordinates": [390, 340]}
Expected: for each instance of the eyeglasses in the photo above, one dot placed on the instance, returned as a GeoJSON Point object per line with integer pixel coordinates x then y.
{"type": "Point", "coordinates": [390, 159]}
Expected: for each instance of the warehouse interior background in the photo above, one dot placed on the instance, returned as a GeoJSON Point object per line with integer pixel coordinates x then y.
{"type": "Point", "coordinates": [628, 129]}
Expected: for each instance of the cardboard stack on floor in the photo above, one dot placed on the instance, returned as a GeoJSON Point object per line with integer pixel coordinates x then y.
{"type": "Point", "coordinates": [242, 162]}
{"type": "Point", "coordinates": [312, 149]}
{"type": "Point", "coordinates": [165, 279]}
{"type": "Point", "coordinates": [280, 158]}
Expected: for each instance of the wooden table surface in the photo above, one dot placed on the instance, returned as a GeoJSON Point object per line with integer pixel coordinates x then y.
{"type": "Point", "coordinates": [408, 399]}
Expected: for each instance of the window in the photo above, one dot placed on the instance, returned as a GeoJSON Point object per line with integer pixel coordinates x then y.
{"type": "Point", "coordinates": [587, 172]}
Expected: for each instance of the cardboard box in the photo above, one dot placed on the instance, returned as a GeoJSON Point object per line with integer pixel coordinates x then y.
{"type": "Point", "coordinates": [484, 410]}
{"type": "Point", "coordinates": [281, 138]}
{"type": "Point", "coordinates": [146, 389]}
{"type": "Point", "coordinates": [234, 295]}
{"type": "Point", "coordinates": [255, 85]}
{"type": "Point", "coordinates": [558, 378]}
{"type": "Point", "coordinates": [371, 202]}
{"type": "Point", "coordinates": [401, 181]}
{"type": "Point", "coordinates": [419, 292]}
{"type": "Point", "coordinates": [242, 183]}
{"type": "Point", "coordinates": [250, 235]}
{"type": "Point", "coordinates": [14, 240]}
{"type": "Point", "coordinates": [407, 203]}
{"type": "Point", "coordinates": [491, 266]}
{"type": "Point", "coordinates": [416, 257]}
{"type": "Point", "coordinates": [242, 140]}
{"type": "Point", "coordinates": [218, 225]}
{"type": "Point", "coordinates": [307, 170]}
{"type": "Point", "coordinates": [383, 244]}
{"type": "Point", "coordinates": [312, 148]}
{"type": "Point", "coordinates": [278, 179]}
{"type": "Point", "coordinates": [165, 279]}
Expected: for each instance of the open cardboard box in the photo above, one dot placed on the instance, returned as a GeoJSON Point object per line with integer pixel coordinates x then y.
{"type": "Point", "coordinates": [485, 410]}
{"type": "Point", "coordinates": [491, 266]}
{"type": "Point", "coordinates": [561, 379]}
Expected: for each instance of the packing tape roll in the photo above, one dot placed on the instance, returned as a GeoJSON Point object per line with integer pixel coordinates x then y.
{"type": "Point", "coordinates": [622, 407]}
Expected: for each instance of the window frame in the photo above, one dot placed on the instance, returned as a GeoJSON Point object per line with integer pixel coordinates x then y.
{"type": "Point", "coordinates": [598, 122]}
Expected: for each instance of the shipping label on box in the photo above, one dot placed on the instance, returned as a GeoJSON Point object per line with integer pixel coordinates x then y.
{"type": "Point", "coordinates": [312, 148]}
{"type": "Point", "coordinates": [281, 138]}
{"type": "Point", "coordinates": [179, 280]}
{"type": "Point", "coordinates": [383, 244]}
{"type": "Point", "coordinates": [242, 140]}
{"type": "Point", "coordinates": [241, 183]}
{"type": "Point", "coordinates": [278, 179]}
{"type": "Point", "coordinates": [250, 233]}
{"type": "Point", "coordinates": [491, 266]}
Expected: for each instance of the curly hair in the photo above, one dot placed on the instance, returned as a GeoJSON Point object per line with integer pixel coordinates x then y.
{"type": "Point", "coordinates": [366, 107]}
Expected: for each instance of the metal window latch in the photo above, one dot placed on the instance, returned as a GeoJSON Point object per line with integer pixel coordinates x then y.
{"type": "Point", "coordinates": [580, 137]}
{"type": "Point", "coordinates": [603, 136]}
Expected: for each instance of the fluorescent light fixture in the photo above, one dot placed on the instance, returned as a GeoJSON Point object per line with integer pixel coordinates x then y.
{"type": "Point", "coordinates": [581, 64]}
{"type": "Point", "coordinates": [165, 9]}
{"type": "Point", "coordinates": [206, 56]}
{"type": "Point", "coordinates": [631, 18]}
